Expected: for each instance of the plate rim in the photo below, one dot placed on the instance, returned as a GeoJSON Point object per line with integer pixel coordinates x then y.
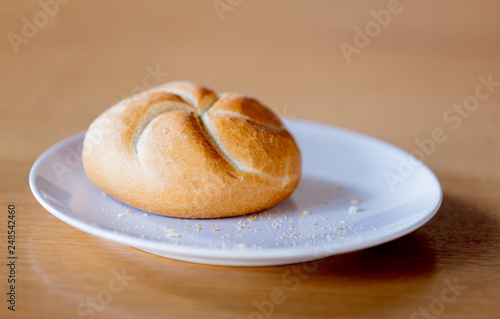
{"type": "Point", "coordinates": [239, 255]}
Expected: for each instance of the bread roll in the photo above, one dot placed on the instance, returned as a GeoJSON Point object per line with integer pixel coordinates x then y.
{"type": "Point", "coordinates": [180, 150]}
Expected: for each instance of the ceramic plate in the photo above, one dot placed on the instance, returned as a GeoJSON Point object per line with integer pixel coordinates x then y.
{"type": "Point", "coordinates": [356, 192]}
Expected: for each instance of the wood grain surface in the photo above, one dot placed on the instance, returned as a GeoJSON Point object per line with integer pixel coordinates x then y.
{"type": "Point", "coordinates": [411, 76]}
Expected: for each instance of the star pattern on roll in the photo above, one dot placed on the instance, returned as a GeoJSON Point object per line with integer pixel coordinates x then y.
{"type": "Point", "coordinates": [181, 150]}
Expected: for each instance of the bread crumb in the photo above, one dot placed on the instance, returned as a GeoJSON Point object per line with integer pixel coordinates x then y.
{"type": "Point", "coordinates": [304, 213]}
{"type": "Point", "coordinates": [121, 215]}
{"type": "Point", "coordinates": [145, 215]}
{"type": "Point", "coordinates": [325, 218]}
{"type": "Point", "coordinates": [314, 224]}
{"type": "Point", "coordinates": [128, 211]}
{"type": "Point", "coordinates": [174, 235]}
{"type": "Point", "coordinates": [242, 246]}
{"type": "Point", "coordinates": [293, 235]}
{"type": "Point", "coordinates": [290, 226]}
{"type": "Point", "coordinates": [197, 227]}
{"type": "Point", "coordinates": [155, 228]}
{"type": "Point", "coordinates": [252, 218]}
{"type": "Point", "coordinates": [353, 209]}
{"type": "Point", "coordinates": [355, 200]}
{"type": "Point", "coordinates": [215, 229]}
{"type": "Point", "coordinates": [338, 228]}
{"type": "Point", "coordinates": [314, 235]}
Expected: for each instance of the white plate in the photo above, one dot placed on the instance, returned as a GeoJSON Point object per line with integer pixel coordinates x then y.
{"type": "Point", "coordinates": [397, 194]}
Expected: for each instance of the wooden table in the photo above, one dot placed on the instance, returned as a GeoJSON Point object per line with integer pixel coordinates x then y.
{"type": "Point", "coordinates": [404, 77]}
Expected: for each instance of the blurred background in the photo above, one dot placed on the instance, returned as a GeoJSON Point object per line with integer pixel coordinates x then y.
{"type": "Point", "coordinates": [396, 70]}
{"type": "Point", "coordinates": [288, 54]}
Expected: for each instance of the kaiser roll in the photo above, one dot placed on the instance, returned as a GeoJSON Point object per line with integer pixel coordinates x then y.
{"type": "Point", "coordinates": [180, 150]}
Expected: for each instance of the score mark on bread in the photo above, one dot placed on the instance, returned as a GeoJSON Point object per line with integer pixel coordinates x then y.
{"type": "Point", "coordinates": [180, 150]}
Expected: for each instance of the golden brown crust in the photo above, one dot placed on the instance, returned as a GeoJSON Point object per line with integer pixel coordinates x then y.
{"type": "Point", "coordinates": [176, 150]}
